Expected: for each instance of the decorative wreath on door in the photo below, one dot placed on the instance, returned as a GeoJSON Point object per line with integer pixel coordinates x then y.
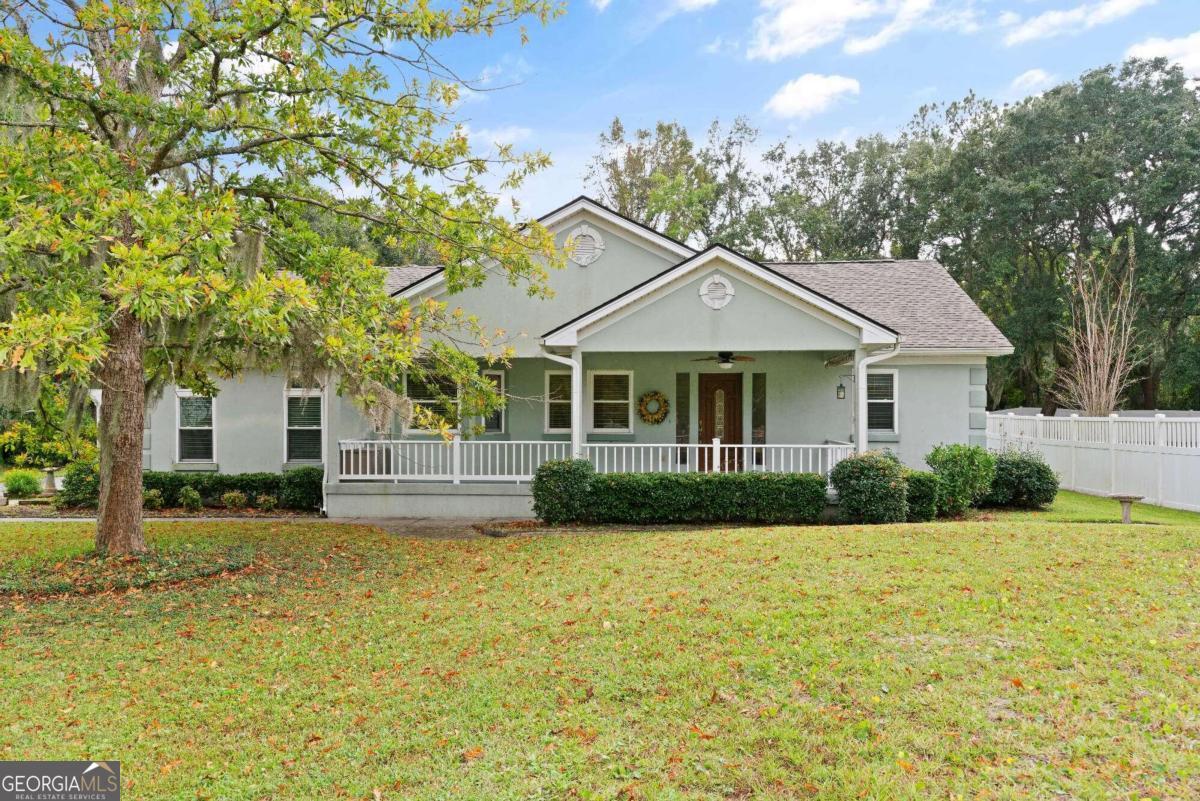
{"type": "Point", "coordinates": [653, 407]}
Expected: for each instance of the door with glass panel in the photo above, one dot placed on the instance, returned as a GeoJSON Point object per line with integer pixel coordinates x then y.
{"type": "Point", "coordinates": [721, 418]}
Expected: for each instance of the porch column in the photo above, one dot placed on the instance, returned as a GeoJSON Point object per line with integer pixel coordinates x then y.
{"type": "Point", "coordinates": [575, 362]}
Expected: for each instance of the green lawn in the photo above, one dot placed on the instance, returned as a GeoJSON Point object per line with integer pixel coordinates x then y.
{"type": "Point", "coordinates": [1012, 658]}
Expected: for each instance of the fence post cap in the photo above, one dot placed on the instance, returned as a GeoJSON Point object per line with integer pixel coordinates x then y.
{"type": "Point", "coordinates": [1160, 416]}
{"type": "Point", "coordinates": [1012, 414]}
{"type": "Point", "coordinates": [1114, 415]}
{"type": "Point", "coordinates": [1073, 414]}
{"type": "Point", "coordinates": [1039, 414]}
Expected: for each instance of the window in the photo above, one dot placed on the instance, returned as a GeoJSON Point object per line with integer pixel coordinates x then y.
{"type": "Point", "coordinates": [881, 401]}
{"type": "Point", "coordinates": [304, 439]}
{"type": "Point", "coordinates": [758, 414]}
{"type": "Point", "coordinates": [683, 413]}
{"type": "Point", "coordinates": [558, 401]}
{"type": "Point", "coordinates": [195, 428]}
{"type": "Point", "coordinates": [494, 422]}
{"type": "Point", "coordinates": [612, 401]}
{"type": "Point", "coordinates": [436, 394]}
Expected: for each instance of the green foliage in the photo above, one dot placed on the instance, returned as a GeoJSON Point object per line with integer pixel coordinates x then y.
{"type": "Point", "coordinates": [560, 490]}
{"type": "Point", "coordinates": [871, 488]}
{"type": "Point", "coordinates": [81, 485]}
{"type": "Point", "coordinates": [302, 489]}
{"type": "Point", "coordinates": [189, 499]}
{"type": "Point", "coordinates": [211, 486]}
{"type": "Point", "coordinates": [234, 499]}
{"type": "Point", "coordinates": [923, 491]}
{"type": "Point", "coordinates": [966, 473]}
{"type": "Point", "coordinates": [266, 503]}
{"type": "Point", "coordinates": [22, 483]}
{"type": "Point", "coordinates": [653, 498]}
{"type": "Point", "coordinates": [1023, 480]}
{"type": "Point", "coordinates": [152, 499]}
{"type": "Point", "coordinates": [51, 433]}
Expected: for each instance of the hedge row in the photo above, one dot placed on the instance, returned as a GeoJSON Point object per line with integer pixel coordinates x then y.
{"type": "Point", "coordinates": [875, 488]}
{"type": "Point", "coordinates": [570, 492]}
{"type": "Point", "coordinates": [295, 489]}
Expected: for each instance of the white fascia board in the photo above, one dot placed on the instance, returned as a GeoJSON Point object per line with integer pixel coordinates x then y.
{"type": "Point", "coordinates": [870, 332]}
{"type": "Point", "coordinates": [617, 221]}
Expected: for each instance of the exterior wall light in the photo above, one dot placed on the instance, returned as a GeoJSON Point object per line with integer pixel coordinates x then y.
{"type": "Point", "coordinates": [841, 391]}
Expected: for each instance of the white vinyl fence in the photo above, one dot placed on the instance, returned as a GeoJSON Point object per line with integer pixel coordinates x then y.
{"type": "Point", "coordinates": [1156, 457]}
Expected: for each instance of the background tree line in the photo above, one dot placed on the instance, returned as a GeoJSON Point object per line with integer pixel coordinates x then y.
{"type": "Point", "coordinates": [1006, 197]}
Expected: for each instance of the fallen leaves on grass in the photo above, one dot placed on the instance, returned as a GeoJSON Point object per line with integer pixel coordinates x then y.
{"type": "Point", "coordinates": [92, 573]}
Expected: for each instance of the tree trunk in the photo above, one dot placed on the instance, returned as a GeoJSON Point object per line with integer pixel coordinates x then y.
{"type": "Point", "coordinates": [122, 415]}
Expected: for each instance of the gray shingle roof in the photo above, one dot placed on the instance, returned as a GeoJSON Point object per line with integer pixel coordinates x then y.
{"type": "Point", "coordinates": [406, 275]}
{"type": "Point", "coordinates": [918, 298]}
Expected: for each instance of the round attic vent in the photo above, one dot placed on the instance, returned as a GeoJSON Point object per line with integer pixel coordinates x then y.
{"type": "Point", "coordinates": [716, 292]}
{"type": "Point", "coordinates": [587, 245]}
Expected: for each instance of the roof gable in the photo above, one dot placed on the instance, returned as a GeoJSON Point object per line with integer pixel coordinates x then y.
{"type": "Point", "coordinates": [568, 333]}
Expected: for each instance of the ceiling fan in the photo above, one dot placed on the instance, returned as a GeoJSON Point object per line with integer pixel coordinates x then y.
{"type": "Point", "coordinates": [725, 359]}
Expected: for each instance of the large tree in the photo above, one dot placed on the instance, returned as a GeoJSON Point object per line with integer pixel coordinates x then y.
{"type": "Point", "coordinates": [158, 202]}
{"type": "Point", "coordinates": [662, 178]}
{"type": "Point", "coordinates": [1008, 194]}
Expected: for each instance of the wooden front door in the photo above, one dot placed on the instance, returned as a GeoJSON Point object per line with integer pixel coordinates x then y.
{"type": "Point", "coordinates": [721, 417]}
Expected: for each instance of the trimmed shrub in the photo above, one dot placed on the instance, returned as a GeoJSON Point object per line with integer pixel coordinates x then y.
{"type": "Point", "coordinates": [266, 503]}
{"type": "Point", "coordinates": [81, 486]}
{"type": "Point", "coordinates": [1023, 479]}
{"type": "Point", "coordinates": [560, 490]}
{"type": "Point", "coordinates": [152, 499]}
{"type": "Point", "coordinates": [923, 490]}
{"type": "Point", "coordinates": [189, 499]}
{"type": "Point", "coordinates": [234, 499]}
{"type": "Point", "coordinates": [22, 483]}
{"type": "Point", "coordinates": [300, 489]}
{"type": "Point", "coordinates": [649, 498]}
{"type": "Point", "coordinates": [211, 486]}
{"type": "Point", "coordinates": [966, 473]}
{"type": "Point", "coordinates": [871, 488]}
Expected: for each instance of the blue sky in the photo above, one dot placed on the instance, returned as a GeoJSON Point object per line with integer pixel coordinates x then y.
{"type": "Point", "coordinates": [807, 69]}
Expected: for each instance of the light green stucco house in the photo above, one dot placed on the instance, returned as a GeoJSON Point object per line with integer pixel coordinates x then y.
{"type": "Point", "coordinates": [762, 366]}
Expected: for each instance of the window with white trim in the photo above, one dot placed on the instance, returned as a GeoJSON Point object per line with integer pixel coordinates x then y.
{"type": "Point", "coordinates": [558, 402]}
{"type": "Point", "coordinates": [881, 401]}
{"type": "Point", "coordinates": [195, 424]}
{"type": "Point", "coordinates": [495, 422]}
{"type": "Point", "coordinates": [304, 425]}
{"type": "Point", "coordinates": [436, 393]}
{"type": "Point", "coordinates": [611, 399]}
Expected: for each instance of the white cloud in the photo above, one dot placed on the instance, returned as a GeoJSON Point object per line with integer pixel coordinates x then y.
{"type": "Point", "coordinates": [1031, 82]}
{"type": "Point", "coordinates": [908, 15]}
{"type": "Point", "coordinates": [489, 138]}
{"type": "Point", "coordinates": [721, 45]}
{"type": "Point", "coordinates": [810, 94]}
{"type": "Point", "coordinates": [600, 5]}
{"type": "Point", "coordinates": [1184, 51]}
{"type": "Point", "coordinates": [1049, 24]}
{"type": "Point", "coordinates": [792, 27]}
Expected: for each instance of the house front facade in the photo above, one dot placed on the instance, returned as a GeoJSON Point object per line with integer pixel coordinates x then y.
{"type": "Point", "coordinates": [650, 356]}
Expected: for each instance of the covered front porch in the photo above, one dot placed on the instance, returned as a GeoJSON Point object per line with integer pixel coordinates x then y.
{"type": "Point", "coordinates": [684, 412]}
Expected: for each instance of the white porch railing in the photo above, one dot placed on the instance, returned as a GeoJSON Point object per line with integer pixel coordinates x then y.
{"type": "Point", "coordinates": [457, 460]}
{"type": "Point", "coordinates": [498, 460]}
{"type": "Point", "coordinates": [1156, 457]}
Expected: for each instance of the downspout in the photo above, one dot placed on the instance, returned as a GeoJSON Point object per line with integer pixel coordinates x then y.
{"type": "Point", "coordinates": [573, 361]}
{"type": "Point", "coordinates": [860, 390]}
